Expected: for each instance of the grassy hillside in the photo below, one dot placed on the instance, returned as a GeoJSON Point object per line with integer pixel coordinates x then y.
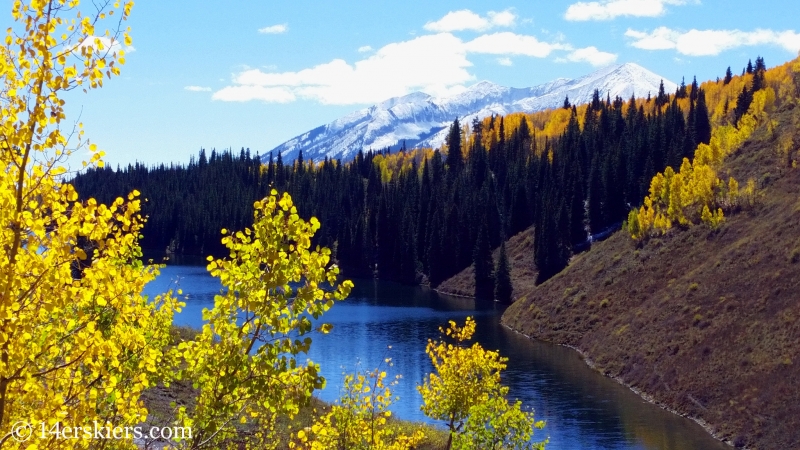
{"type": "Point", "coordinates": [520, 259]}
{"type": "Point", "coordinates": [706, 322]}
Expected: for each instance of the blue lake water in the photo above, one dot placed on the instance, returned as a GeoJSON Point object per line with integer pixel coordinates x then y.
{"type": "Point", "coordinates": [583, 409]}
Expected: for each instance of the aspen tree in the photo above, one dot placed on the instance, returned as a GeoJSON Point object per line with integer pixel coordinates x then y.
{"type": "Point", "coordinates": [78, 340]}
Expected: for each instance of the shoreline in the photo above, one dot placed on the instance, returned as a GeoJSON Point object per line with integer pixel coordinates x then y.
{"type": "Point", "coordinates": [453, 294]}
{"type": "Point", "coordinates": [643, 395]}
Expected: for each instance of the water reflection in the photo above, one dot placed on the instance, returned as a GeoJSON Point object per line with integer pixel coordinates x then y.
{"type": "Point", "coordinates": [583, 409]}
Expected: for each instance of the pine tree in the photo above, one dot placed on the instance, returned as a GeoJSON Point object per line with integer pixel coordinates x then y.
{"type": "Point", "coordinates": [503, 289]}
{"type": "Point", "coordinates": [760, 65]}
{"type": "Point", "coordinates": [436, 251]}
{"type": "Point", "coordinates": [280, 173]}
{"type": "Point", "coordinates": [270, 169]}
{"type": "Point", "coordinates": [759, 80]}
{"type": "Point", "coordinates": [702, 124]}
{"type": "Point", "coordinates": [482, 260]}
{"type": "Point", "coordinates": [519, 215]}
{"type": "Point", "coordinates": [454, 155]}
{"type": "Point", "coordinates": [728, 76]}
{"type": "Point", "coordinates": [299, 163]}
{"type": "Point", "coordinates": [681, 92]}
{"type": "Point", "coordinates": [662, 98]}
{"type": "Point", "coordinates": [742, 104]}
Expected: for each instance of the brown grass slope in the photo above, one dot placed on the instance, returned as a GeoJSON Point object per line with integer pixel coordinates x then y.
{"type": "Point", "coordinates": [519, 251]}
{"type": "Point", "coordinates": [705, 322]}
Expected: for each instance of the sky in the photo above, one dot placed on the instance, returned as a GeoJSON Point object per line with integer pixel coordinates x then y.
{"type": "Point", "coordinates": [245, 74]}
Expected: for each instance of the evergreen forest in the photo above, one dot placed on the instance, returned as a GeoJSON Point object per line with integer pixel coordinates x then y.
{"type": "Point", "coordinates": [423, 215]}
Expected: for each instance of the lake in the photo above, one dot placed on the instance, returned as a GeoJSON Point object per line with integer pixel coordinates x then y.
{"type": "Point", "coordinates": [583, 409]}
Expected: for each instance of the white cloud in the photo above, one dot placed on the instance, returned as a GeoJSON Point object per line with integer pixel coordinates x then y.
{"type": "Point", "coordinates": [467, 20]}
{"type": "Point", "coordinates": [274, 29]}
{"type": "Point", "coordinates": [107, 44]}
{"type": "Point", "coordinates": [711, 42]}
{"type": "Point", "coordinates": [592, 55]}
{"type": "Point", "coordinates": [662, 38]}
{"type": "Point", "coordinates": [503, 18]}
{"type": "Point", "coordinates": [610, 9]}
{"type": "Point", "coordinates": [364, 49]}
{"type": "Point", "coordinates": [435, 64]}
{"type": "Point", "coordinates": [507, 43]}
{"type": "Point", "coordinates": [197, 88]}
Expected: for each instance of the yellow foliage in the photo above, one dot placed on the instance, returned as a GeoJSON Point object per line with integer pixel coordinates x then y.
{"type": "Point", "coordinates": [465, 392]}
{"type": "Point", "coordinates": [245, 362]}
{"type": "Point", "coordinates": [78, 340]}
{"type": "Point", "coordinates": [763, 104]}
{"type": "Point", "coordinates": [359, 419]}
{"type": "Point", "coordinates": [79, 343]}
{"type": "Point", "coordinates": [695, 193]}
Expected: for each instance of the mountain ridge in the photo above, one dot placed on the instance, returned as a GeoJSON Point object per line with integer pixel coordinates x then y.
{"type": "Point", "coordinates": [421, 120]}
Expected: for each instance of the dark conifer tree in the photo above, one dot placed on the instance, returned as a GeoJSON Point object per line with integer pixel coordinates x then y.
{"type": "Point", "coordinates": [681, 92]}
{"type": "Point", "coordinates": [437, 253]}
{"type": "Point", "coordinates": [503, 290]}
{"type": "Point", "coordinates": [728, 76]}
{"type": "Point", "coordinates": [519, 215]}
{"type": "Point", "coordinates": [280, 173]}
{"type": "Point", "coordinates": [760, 65]}
{"type": "Point", "coordinates": [742, 104]}
{"type": "Point", "coordinates": [577, 211]}
{"type": "Point", "coordinates": [759, 80]}
{"type": "Point", "coordinates": [596, 195]}
{"type": "Point", "coordinates": [270, 169]}
{"type": "Point", "coordinates": [483, 264]}
{"type": "Point", "coordinates": [702, 124]}
{"type": "Point", "coordinates": [662, 98]}
{"type": "Point", "coordinates": [595, 103]}
{"type": "Point", "coordinates": [454, 155]}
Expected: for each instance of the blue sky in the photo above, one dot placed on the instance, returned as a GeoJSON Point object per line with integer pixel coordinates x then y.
{"type": "Point", "coordinates": [255, 74]}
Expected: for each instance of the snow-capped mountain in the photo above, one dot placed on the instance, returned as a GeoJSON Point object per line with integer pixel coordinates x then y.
{"type": "Point", "coordinates": [422, 120]}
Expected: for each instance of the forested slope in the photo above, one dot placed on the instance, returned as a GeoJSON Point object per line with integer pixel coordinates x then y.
{"type": "Point", "coordinates": [704, 319]}
{"type": "Point", "coordinates": [425, 215]}
{"type": "Point", "coordinates": [521, 265]}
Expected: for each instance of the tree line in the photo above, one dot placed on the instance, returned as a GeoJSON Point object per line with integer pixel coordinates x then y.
{"type": "Point", "coordinates": [424, 215]}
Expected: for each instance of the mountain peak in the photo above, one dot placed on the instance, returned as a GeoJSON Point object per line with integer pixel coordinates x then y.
{"type": "Point", "coordinates": [483, 85]}
{"type": "Point", "coordinates": [421, 120]}
{"type": "Point", "coordinates": [413, 97]}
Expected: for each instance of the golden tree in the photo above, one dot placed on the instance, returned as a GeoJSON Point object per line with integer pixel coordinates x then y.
{"type": "Point", "coordinates": [465, 392]}
{"type": "Point", "coordinates": [359, 420]}
{"type": "Point", "coordinates": [245, 362]}
{"type": "Point", "coordinates": [78, 341]}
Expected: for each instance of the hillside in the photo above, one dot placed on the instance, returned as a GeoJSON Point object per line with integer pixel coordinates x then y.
{"type": "Point", "coordinates": [520, 260]}
{"type": "Point", "coordinates": [705, 322]}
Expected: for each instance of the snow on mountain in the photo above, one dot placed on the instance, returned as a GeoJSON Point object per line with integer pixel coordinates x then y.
{"type": "Point", "coordinates": [422, 120]}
